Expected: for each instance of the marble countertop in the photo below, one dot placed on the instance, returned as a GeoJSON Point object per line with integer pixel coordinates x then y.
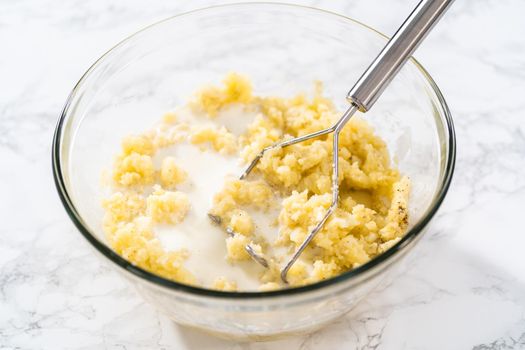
{"type": "Point", "coordinates": [466, 289]}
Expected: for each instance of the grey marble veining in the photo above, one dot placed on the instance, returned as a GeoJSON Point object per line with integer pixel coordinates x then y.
{"type": "Point", "coordinates": [466, 287]}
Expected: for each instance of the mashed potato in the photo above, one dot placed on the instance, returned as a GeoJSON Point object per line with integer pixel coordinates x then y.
{"type": "Point", "coordinates": [294, 182]}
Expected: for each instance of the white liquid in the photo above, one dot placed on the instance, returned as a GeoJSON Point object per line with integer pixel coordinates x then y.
{"type": "Point", "coordinates": [207, 171]}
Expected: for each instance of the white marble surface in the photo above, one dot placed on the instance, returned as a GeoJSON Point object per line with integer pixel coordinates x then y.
{"type": "Point", "coordinates": [466, 289]}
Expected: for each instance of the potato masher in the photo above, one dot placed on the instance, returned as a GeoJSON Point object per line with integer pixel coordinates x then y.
{"type": "Point", "coordinates": [362, 97]}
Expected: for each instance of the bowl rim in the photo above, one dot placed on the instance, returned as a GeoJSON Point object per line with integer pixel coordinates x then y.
{"type": "Point", "coordinates": [403, 244]}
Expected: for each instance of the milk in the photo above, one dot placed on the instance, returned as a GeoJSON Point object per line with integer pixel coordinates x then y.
{"type": "Point", "coordinates": [207, 171]}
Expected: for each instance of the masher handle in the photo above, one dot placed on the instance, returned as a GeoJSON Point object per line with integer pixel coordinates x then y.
{"type": "Point", "coordinates": [396, 52]}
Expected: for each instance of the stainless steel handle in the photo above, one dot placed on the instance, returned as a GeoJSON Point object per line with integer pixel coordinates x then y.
{"type": "Point", "coordinates": [396, 52]}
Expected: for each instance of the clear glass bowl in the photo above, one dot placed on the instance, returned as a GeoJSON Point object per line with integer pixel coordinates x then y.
{"type": "Point", "coordinates": [283, 49]}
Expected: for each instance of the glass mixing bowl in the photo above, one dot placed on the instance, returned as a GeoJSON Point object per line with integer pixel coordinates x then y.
{"type": "Point", "coordinates": [283, 49]}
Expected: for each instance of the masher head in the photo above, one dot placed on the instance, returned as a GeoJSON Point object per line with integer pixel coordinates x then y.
{"type": "Point", "coordinates": [335, 129]}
